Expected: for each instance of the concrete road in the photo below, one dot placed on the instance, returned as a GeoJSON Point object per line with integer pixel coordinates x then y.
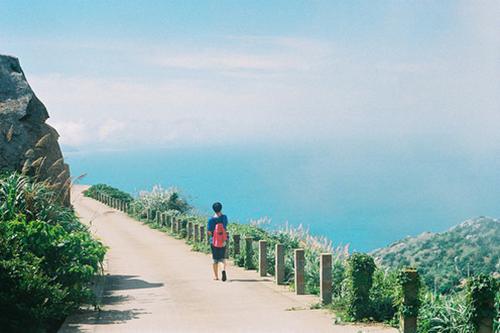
{"type": "Point", "coordinates": [155, 283]}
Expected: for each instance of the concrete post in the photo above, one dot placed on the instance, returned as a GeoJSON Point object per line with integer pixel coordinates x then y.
{"type": "Point", "coordinates": [299, 271]}
{"type": "Point", "coordinates": [157, 218]}
{"type": "Point", "coordinates": [279, 260]}
{"type": "Point", "coordinates": [248, 253]}
{"type": "Point", "coordinates": [177, 226]}
{"type": "Point", "coordinates": [189, 234]}
{"type": "Point", "coordinates": [236, 245]}
{"type": "Point", "coordinates": [172, 224]}
{"type": "Point", "coordinates": [410, 287]}
{"type": "Point", "coordinates": [202, 233]}
{"type": "Point", "coordinates": [163, 219]}
{"type": "Point", "coordinates": [197, 233]}
{"type": "Point", "coordinates": [262, 258]}
{"type": "Point", "coordinates": [325, 278]}
{"type": "Point", "coordinates": [184, 228]}
{"type": "Point", "coordinates": [168, 220]}
{"type": "Point", "coordinates": [149, 214]}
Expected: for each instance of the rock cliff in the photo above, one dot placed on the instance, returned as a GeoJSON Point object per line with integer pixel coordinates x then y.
{"type": "Point", "coordinates": [27, 143]}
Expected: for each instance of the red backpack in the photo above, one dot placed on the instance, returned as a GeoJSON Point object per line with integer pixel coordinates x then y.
{"type": "Point", "coordinates": [220, 236]}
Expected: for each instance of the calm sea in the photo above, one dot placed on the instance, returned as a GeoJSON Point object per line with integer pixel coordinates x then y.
{"type": "Point", "coordinates": [361, 196]}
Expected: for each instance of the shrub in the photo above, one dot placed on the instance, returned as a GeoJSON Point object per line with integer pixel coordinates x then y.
{"type": "Point", "coordinates": [47, 258]}
{"type": "Point", "coordinates": [383, 295]}
{"type": "Point", "coordinates": [47, 268]}
{"type": "Point", "coordinates": [360, 270]}
{"type": "Point", "coordinates": [481, 292]}
{"type": "Point", "coordinates": [160, 200]}
{"type": "Point", "coordinates": [109, 191]}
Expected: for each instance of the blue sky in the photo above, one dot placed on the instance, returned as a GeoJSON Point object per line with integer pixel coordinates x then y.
{"type": "Point", "coordinates": [115, 73]}
{"type": "Point", "coordinates": [369, 120]}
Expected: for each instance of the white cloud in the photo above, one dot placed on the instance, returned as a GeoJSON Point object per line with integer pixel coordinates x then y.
{"type": "Point", "coordinates": [72, 133]}
{"type": "Point", "coordinates": [109, 128]}
{"type": "Point", "coordinates": [283, 89]}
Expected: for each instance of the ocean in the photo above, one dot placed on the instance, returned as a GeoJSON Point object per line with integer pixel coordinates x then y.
{"type": "Point", "coordinates": [360, 195]}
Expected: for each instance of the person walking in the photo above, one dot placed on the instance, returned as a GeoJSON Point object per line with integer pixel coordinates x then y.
{"type": "Point", "coordinates": [216, 229]}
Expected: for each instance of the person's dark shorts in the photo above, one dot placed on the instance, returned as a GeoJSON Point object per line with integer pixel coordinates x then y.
{"type": "Point", "coordinates": [218, 253]}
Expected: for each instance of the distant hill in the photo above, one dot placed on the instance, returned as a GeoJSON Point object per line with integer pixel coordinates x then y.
{"type": "Point", "coordinates": [444, 259]}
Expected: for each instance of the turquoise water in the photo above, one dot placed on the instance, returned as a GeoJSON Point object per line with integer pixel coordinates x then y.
{"type": "Point", "coordinates": [367, 197]}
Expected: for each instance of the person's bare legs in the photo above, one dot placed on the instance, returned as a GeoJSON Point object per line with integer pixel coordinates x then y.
{"type": "Point", "coordinates": [216, 270]}
{"type": "Point", "coordinates": [224, 264]}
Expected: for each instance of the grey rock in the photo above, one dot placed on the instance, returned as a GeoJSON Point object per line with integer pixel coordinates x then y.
{"type": "Point", "coordinates": [27, 143]}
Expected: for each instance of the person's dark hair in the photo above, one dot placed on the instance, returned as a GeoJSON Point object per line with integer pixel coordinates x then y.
{"type": "Point", "coordinates": [217, 207]}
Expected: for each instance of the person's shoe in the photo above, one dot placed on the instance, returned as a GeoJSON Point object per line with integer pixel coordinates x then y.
{"type": "Point", "coordinates": [224, 277]}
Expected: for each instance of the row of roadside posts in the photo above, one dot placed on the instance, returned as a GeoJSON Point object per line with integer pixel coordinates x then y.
{"type": "Point", "coordinates": [196, 233]}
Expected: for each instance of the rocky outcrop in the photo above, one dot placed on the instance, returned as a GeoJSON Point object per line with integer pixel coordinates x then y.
{"type": "Point", "coordinates": [27, 143]}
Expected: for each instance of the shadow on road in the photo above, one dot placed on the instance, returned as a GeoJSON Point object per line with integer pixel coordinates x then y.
{"type": "Point", "coordinates": [249, 280]}
{"type": "Point", "coordinates": [124, 282]}
{"type": "Point", "coordinates": [80, 321]}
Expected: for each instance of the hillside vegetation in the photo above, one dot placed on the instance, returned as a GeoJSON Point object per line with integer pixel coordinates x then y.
{"type": "Point", "coordinates": [48, 259]}
{"type": "Point", "coordinates": [445, 259]}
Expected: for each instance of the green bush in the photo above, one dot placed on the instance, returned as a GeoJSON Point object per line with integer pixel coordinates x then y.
{"type": "Point", "coordinates": [109, 191]}
{"type": "Point", "coordinates": [481, 292]}
{"type": "Point", "coordinates": [50, 261]}
{"type": "Point", "coordinates": [360, 270]}
{"type": "Point", "coordinates": [47, 258]}
{"type": "Point", "coordinates": [383, 295]}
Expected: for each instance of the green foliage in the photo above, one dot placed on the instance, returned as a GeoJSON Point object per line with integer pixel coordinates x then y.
{"type": "Point", "coordinates": [360, 270]}
{"type": "Point", "coordinates": [383, 295]}
{"type": "Point", "coordinates": [481, 292]}
{"type": "Point", "coordinates": [445, 260]}
{"type": "Point", "coordinates": [47, 258]}
{"type": "Point", "coordinates": [444, 314]}
{"type": "Point", "coordinates": [110, 191]}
